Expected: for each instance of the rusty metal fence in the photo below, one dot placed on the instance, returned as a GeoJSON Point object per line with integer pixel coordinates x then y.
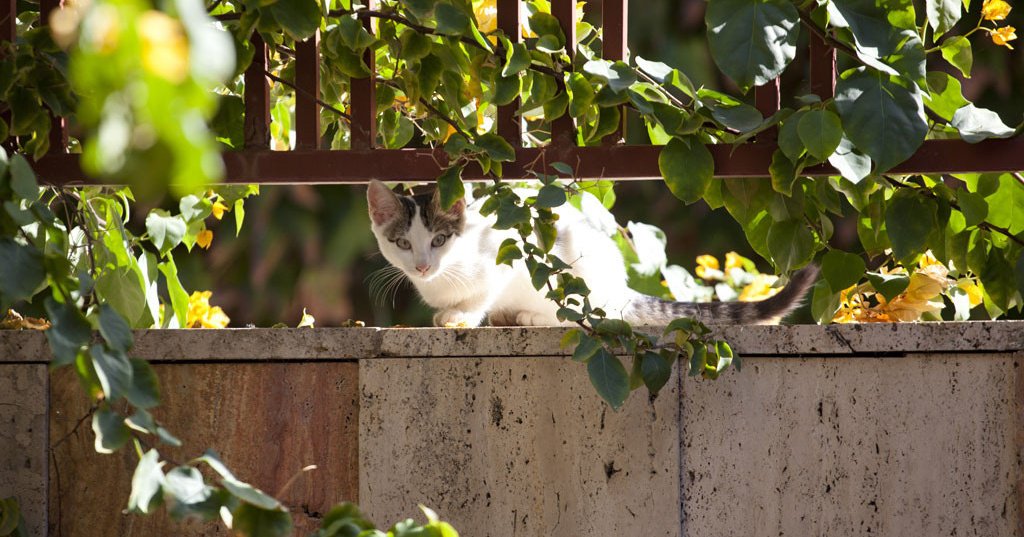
{"type": "Point", "coordinates": [310, 163]}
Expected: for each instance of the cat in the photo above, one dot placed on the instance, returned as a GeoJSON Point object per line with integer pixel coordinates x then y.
{"type": "Point", "coordinates": [449, 256]}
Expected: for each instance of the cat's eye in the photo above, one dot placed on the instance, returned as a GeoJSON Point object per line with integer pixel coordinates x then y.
{"type": "Point", "coordinates": [403, 244]}
{"type": "Point", "coordinates": [439, 241]}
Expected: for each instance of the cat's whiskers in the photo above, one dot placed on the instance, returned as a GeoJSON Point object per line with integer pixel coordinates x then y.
{"type": "Point", "coordinates": [385, 281]}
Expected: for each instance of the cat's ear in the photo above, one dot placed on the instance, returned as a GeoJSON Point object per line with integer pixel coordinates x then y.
{"type": "Point", "coordinates": [457, 209]}
{"type": "Point", "coordinates": [383, 203]}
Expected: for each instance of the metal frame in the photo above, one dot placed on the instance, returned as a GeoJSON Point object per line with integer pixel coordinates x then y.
{"type": "Point", "coordinates": [311, 163]}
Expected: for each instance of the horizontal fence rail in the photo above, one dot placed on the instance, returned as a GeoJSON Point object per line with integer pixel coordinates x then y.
{"type": "Point", "coordinates": [312, 162]}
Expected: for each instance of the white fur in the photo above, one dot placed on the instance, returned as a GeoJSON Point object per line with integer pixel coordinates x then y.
{"type": "Point", "coordinates": [465, 285]}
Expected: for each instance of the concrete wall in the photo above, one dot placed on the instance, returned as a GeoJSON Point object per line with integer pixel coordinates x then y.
{"type": "Point", "coordinates": [849, 430]}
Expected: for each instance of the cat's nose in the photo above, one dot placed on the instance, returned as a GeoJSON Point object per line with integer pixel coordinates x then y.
{"type": "Point", "coordinates": [423, 268]}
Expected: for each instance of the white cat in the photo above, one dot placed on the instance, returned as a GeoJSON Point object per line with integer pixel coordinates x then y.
{"type": "Point", "coordinates": [449, 256]}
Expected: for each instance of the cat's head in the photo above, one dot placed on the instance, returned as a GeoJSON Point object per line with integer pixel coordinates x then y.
{"type": "Point", "coordinates": [414, 233]}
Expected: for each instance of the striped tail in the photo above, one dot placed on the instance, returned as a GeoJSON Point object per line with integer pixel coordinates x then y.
{"type": "Point", "coordinates": [651, 311]}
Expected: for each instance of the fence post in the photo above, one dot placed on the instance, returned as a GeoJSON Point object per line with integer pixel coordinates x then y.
{"type": "Point", "coordinates": [510, 126]}
{"type": "Point", "coordinates": [307, 93]}
{"type": "Point", "coordinates": [364, 97]}
{"type": "Point", "coordinates": [562, 129]}
{"type": "Point", "coordinates": [615, 23]}
{"type": "Point", "coordinates": [257, 98]}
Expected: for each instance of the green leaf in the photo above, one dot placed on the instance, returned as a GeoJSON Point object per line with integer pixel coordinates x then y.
{"type": "Point", "coordinates": [944, 95]}
{"type": "Point", "coordinates": [1019, 273]}
{"type": "Point", "coordinates": [114, 329]}
{"type": "Point", "coordinates": [68, 332]}
{"type": "Point", "coordinates": [698, 360]}
{"type": "Point", "coordinates": [550, 196]}
{"type": "Point", "coordinates": [889, 285]}
{"type": "Point", "coordinates": [942, 15]}
{"type": "Point", "coordinates": [242, 490]}
{"type": "Point", "coordinates": [614, 327]}
{"type": "Point", "coordinates": [999, 279]}
{"type": "Point", "coordinates": [687, 167]}
{"type": "Point", "coordinates": [909, 219]}
{"type": "Point", "coordinates": [110, 430]}
{"type": "Point", "coordinates": [10, 517]}
{"type": "Point", "coordinates": [355, 37]}
{"type": "Point", "coordinates": [820, 131]}
{"type": "Point", "coordinates": [783, 173]}
{"type": "Point", "coordinates": [842, 269]}
{"type": "Point", "coordinates": [881, 115]}
{"type": "Point", "coordinates": [725, 356]}
{"type": "Point", "coordinates": [517, 59]}
{"type": "Point", "coordinates": [738, 117]}
{"type": "Point", "coordinates": [656, 371]}
{"type": "Point", "coordinates": [21, 271]}
{"type": "Point", "coordinates": [752, 41]}
{"type": "Point", "coordinates": [852, 165]}
{"type": "Point", "coordinates": [451, 20]}
{"type": "Point", "coordinates": [179, 298]}
{"type": "Point", "coordinates": [300, 19]}
{"type": "Point", "coordinates": [791, 245]}
{"type": "Point", "coordinates": [974, 207]}
{"type": "Point", "coordinates": [582, 95]}
{"type": "Point", "coordinates": [789, 137]}
{"type": "Point", "coordinates": [123, 289]}
{"type": "Point", "coordinates": [545, 24]}
{"type": "Point", "coordinates": [147, 483]}
{"type": "Point", "coordinates": [586, 348]}
{"type": "Point", "coordinates": [252, 521]}
{"type": "Point", "coordinates": [1006, 204]}
{"type": "Point", "coordinates": [957, 51]}
{"type": "Point", "coordinates": [113, 370]}
{"type": "Point", "coordinates": [496, 147]}
{"type": "Point", "coordinates": [824, 302]}
{"type": "Point", "coordinates": [191, 495]}
{"type": "Point", "coordinates": [164, 230]}
{"type": "Point", "coordinates": [508, 252]}
{"type": "Point", "coordinates": [144, 390]}
{"type": "Point", "coordinates": [23, 179]}
{"type": "Point", "coordinates": [977, 124]}
{"type": "Point", "coordinates": [609, 377]}
{"type": "Point", "coordinates": [450, 187]}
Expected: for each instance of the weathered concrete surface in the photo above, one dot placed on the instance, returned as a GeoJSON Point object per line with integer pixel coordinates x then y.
{"type": "Point", "coordinates": [23, 441]}
{"type": "Point", "coordinates": [303, 344]}
{"type": "Point", "coordinates": [921, 446]}
{"type": "Point", "coordinates": [266, 420]}
{"type": "Point", "coordinates": [515, 447]}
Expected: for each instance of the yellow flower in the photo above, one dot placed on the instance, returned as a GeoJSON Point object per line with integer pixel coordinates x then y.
{"type": "Point", "coordinates": [995, 10]}
{"type": "Point", "coordinates": [733, 260]}
{"type": "Point", "coordinates": [1003, 36]}
{"type": "Point", "coordinates": [705, 265]}
{"type": "Point", "coordinates": [218, 209]}
{"type": "Point", "coordinates": [486, 16]}
{"type": "Point", "coordinates": [164, 46]}
{"type": "Point", "coordinates": [202, 315]}
{"type": "Point", "coordinates": [972, 290]}
{"type": "Point", "coordinates": [759, 289]}
{"type": "Point", "coordinates": [204, 239]}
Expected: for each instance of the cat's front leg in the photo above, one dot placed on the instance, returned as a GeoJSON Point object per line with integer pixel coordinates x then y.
{"type": "Point", "coordinates": [458, 318]}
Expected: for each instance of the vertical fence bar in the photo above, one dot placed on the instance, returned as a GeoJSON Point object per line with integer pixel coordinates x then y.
{"type": "Point", "coordinates": [615, 23]}
{"type": "Point", "coordinates": [509, 124]}
{"type": "Point", "coordinates": [823, 68]}
{"type": "Point", "coordinates": [257, 98]}
{"type": "Point", "coordinates": [767, 100]}
{"type": "Point", "coordinates": [562, 129]}
{"type": "Point", "coordinates": [58, 125]}
{"type": "Point", "coordinates": [307, 80]}
{"type": "Point", "coordinates": [364, 98]}
{"type": "Point", "coordinates": [8, 31]}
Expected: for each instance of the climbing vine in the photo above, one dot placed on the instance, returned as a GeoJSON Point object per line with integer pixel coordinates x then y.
{"type": "Point", "coordinates": [153, 93]}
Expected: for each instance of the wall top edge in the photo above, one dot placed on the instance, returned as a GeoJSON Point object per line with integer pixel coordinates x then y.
{"type": "Point", "coordinates": [261, 344]}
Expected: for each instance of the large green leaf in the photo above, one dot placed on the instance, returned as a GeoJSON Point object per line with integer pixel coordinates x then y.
{"type": "Point", "coordinates": [882, 115]}
{"type": "Point", "coordinates": [687, 167]}
{"type": "Point", "coordinates": [852, 165]}
{"type": "Point", "coordinates": [752, 41]}
{"type": "Point", "coordinates": [68, 332]}
{"type": "Point", "coordinates": [164, 230]}
{"type": "Point", "coordinates": [876, 27]}
{"type": "Point", "coordinates": [609, 377]}
{"type": "Point", "coordinates": [179, 298]}
{"type": "Point", "coordinates": [1019, 273]}
{"type": "Point", "coordinates": [656, 370]}
{"type": "Point", "coordinates": [144, 390]}
{"type": "Point", "coordinates": [114, 329]}
{"type": "Point", "coordinates": [110, 430]}
{"type": "Point", "coordinates": [252, 521]}
{"type": "Point", "coordinates": [820, 131]}
{"type": "Point", "coordinates": [450, 187]}
{"type": "Point", "coordinates": [23, 179]}
{"type": "Point", "coordinates": [1006, 204]}
{"type": "Point", "coordinates": [791, 244]}
{"type": "Point", "coordinates": [300, 19]}
{"type": "Point", "coordinates": [944, 95]}
{"type": "Point", "coordinates": [842, 269]}
{"type": "Point", "coordinates": [124, 290]}
{"type": "Point", "coordinates": [909, 219]}
{"type": "Point", "coordinates": [889, 285]}
{"type": "Point", "coordinates": [942, 15]}
{"type": "Point", "coordinates": [957, 51]}
{"type": "Point", "coordinates": [113, 369]}
{"type": "Point", "coordinates": [21, 271]}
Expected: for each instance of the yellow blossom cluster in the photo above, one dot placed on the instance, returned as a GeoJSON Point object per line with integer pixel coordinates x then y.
{"type": "Point", "coordinates": [759, 287]}
{"type": "Point", "coordinates": [202, 315]}
{"type": "Point", "coordinates": [923, 296]}
{"type": "Point", "coordinates": [997, 10]}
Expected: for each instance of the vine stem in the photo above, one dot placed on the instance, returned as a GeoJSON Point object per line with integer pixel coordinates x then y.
{"type": "Point", "coordinates": [309, 95]}
{"type": "Point", "coordinates": [983, 224]}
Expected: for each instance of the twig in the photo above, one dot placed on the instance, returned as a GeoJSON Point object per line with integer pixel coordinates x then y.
{"type": "Point", "coordinates": [832, 42]}
{"type": "Point", "coordinates": [74, 430]}
{"type": "Point", "coordinates": [214, 6]}
{"type": "Point", "coordinates": [309, 95]}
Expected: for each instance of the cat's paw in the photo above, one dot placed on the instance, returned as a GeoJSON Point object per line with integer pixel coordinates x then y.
{"type": "Point", "coordinates": [522, 318]}
{"type": "Point", "coordinates": [501, 318]}
{"type": "Point", "coordinates": [457, 319]}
